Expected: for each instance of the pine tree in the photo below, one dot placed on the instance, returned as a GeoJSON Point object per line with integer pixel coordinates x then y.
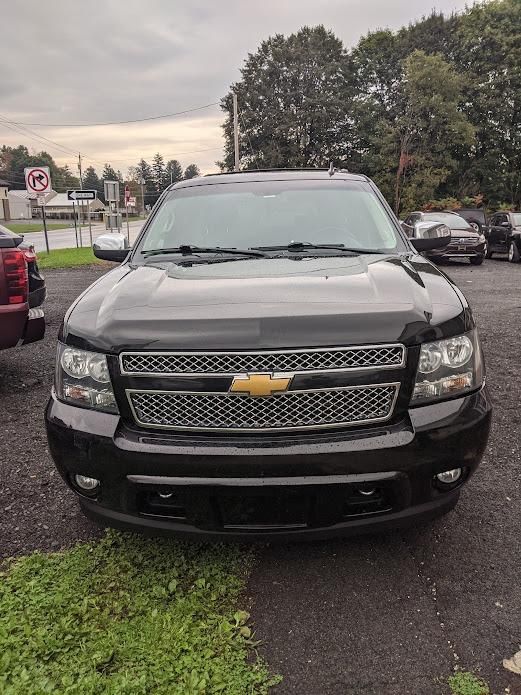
{"type": "Point", "coordinates": [92, 181]}
{"type": "Point", "coordinates": [158, 173]}
{"type": "Point", "coordinates": [191, 171]}
{"type": "Point", "coordinates": [173, 171]}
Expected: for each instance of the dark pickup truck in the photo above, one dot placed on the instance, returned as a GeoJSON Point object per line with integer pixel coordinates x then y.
{"type": "Point", "coordinates": [22, 291]}
{"type": "Point", "coordinates": [273, 357]}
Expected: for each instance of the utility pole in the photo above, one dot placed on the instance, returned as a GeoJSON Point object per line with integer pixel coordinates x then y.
{"type": "Point", "coordinates": [236, 132]}
{"type": "Point", "coordinates": [143, 194]}
{"type": "Point", "coordinates": [88, 202]}
{"type": "Point", "coordinates": [80, 209]}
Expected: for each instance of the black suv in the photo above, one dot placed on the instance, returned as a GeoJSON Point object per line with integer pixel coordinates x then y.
{"type": "Point", "coordinates": [273, 356]}
{"type": "Point", "coordinates": [504, 235]}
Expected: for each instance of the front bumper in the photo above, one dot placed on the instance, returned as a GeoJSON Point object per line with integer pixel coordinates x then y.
{"type": "Point", "coordinates": [458, 252]}
{"type": "Point", "coordinates": [277, 486]}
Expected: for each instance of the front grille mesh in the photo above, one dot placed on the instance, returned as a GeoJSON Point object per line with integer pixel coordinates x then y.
{"type": "Point", "coordinates": [297, 409]}
{"type": "Point", "coordinates": [377, 356]}
{"type": "Point", "coordinates": [467, 241]}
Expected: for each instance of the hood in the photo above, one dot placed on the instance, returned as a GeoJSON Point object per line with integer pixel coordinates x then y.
{"type": "Point", "coordinates": [267, 303]}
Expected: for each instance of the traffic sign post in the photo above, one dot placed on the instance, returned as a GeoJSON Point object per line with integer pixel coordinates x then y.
{"type": "Point", "coordinates": [37, 184]}
{"type": "Point", "coordinates": [111, 191]}
{"type": "Point", "coordinates": [127, 198]}
{"type": "Point", "coordinates": [45, 227]}
{"type": "Point", "coordinates": [75, 225]}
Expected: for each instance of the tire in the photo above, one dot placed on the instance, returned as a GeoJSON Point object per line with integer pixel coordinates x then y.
{"type": "Point", "coordinates": [476, 225]}
{"type": "Point", "coordinates": [513, 253]}
{"type": "Point", "coordinates": [477, 260]}
{"type": "Point", "coordinates": [488, 252]}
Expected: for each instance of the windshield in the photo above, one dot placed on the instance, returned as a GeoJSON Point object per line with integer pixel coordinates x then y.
{"type": "Point", "coordinates": [452, 221]}
{"type": "Point", "coordinates": [273, 213]}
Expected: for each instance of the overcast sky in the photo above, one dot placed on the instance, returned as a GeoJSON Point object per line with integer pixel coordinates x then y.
{"type": "Point", "coordinates": [66, 61]}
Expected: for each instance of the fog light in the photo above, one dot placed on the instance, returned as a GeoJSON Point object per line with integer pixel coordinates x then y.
{"type": "Point", "coordinates": [86, 483]}
{"type": "Point", "coordinates": [449, 477]}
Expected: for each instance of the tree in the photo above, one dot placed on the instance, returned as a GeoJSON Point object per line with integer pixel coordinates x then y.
{"type": "Point", "coordinates": [146, 176]}
{"type": "Point", "coordinates": [13, 161]}
{"type": "Point", "coordinates": [191, 171]}
{"type": "Point", "coordinates": [488, 51]}
{"type": "Point", "coordinates": [91, 180]}
{"type": "Point", "coordinates": [66, 178]}
{"type": "Point", "coordinates": [416, 149]}
{"type": "Point", "coordinates": [158, 174]}
{"type": "Point", "coordinates": [293, 101]}
{"type": "Point", "coordinates": [173, 171]}
{"type": "Point", "coordinates": [110, 174]}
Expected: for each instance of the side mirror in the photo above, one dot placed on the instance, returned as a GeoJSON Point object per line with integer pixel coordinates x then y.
{"type": "Point", "coordinates": [111, 247]}
{"type": "Point", "coordinates": [506, 225]}
{"type": "Point", "coordinates": [429, 236]}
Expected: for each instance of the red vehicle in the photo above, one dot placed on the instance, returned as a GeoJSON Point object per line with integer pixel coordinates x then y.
{"type": "Point", "coordinates": [22, 291]}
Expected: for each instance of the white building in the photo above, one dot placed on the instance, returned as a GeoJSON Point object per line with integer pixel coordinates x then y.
{"type": "Point", "coordinates": [22, 206]}
{"type": "Point", "coordinates": [60, 208]}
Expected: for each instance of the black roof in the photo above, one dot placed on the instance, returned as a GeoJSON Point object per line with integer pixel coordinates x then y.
{"type": "Point", "coordinates": [267, 175]}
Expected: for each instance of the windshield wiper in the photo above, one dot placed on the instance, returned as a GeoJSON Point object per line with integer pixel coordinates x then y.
{"type": "Point", "coordinates": [188, 250]}
{"type": "Point", "coordinates": [306, 245]}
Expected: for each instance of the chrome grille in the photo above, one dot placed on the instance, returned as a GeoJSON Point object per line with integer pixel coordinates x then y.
{"type": "Point", "coordinates": [225, 363]}
{"type": "Point", "coordinates": [468, 241]}
{"type": "Point", "coordinates": [291, 410]}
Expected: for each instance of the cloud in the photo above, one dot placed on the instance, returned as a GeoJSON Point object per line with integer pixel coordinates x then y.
{"type": "Point", "coordinates": [70, 61]}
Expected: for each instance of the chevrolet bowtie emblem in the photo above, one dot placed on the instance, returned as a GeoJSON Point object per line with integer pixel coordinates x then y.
{"type": "Point", "coordinates": [260, 384]}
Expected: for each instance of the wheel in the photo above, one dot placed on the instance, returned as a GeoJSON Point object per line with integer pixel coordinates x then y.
{"type": "Point", "coordinates": [488, 252]}
{"type": "Point", "coordinates": [475, 225]}
{"type": "Point", "coordinates": [477, 260]}
{"type": "Point", "coordinates": [513, 253]}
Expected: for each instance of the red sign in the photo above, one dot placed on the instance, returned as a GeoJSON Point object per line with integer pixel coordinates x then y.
{"type": "Point", "coordinates": [127, 195]}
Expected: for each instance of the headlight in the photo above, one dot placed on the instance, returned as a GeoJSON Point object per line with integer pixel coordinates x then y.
{"type": "Point", "coordinates": [83, 378]}
{"type": "Point", "coordinates": [482, 239]}
{"type": "Point", "coordinates": [448, 368]}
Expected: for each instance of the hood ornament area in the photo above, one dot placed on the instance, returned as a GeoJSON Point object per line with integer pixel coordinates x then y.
{"type": "Point", "coordinates": [261, 385]}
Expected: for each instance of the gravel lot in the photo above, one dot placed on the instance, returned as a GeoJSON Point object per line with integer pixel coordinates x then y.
{"type": "Point", "coordinates": [389, 615]}
{"type": "Point", "coordinates": [37, 510]}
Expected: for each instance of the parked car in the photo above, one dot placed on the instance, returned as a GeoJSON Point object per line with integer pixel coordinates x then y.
{"type": "Point", "coordinates": [272, 357]}
{"type": "Point", "coordinates": [504, 235]}
{"type": "Point", "coordinates": [475, 217]}
{"type": "Point", "coordinates": [465, 242]}
{"type": "Point", "coordinates": [22, 292]}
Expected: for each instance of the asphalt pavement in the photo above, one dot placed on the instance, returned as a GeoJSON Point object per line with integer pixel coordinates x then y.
{"type": "Point", "coordinates": [396, 614]}
{"type": "Point", "coordinates": [66, 238]}
{"type": "Point", "coordinates": [392, 614]}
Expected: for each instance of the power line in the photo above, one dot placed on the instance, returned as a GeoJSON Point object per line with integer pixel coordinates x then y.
{"type": "Point", "coordinates": [134, 120]}
{"type": "Point", "coordinates": [66, 150]}
{"type": "Point", "coordinates": [169, 157]}
{"type": "Point", "coordinates": [35, 136]}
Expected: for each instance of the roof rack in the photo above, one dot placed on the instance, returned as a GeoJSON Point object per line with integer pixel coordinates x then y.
{"type": "Point", "coordinates": [254, 171]}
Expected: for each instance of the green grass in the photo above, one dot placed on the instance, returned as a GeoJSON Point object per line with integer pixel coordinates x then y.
{"type": "Point", "coordinates": [67, 258]}
{"type": "Point", "coordinates": [466, 683]}
{"type": "Point", "coordinates": [128, 616]}
{"type": "Point", "coordinates": [27, 228]}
